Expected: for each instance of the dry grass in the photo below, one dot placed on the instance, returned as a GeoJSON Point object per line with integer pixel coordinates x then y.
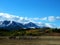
{"type": "Point", "coordinates": [42, 40]}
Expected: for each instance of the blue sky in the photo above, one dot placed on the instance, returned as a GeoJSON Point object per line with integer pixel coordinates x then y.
{"type": "Point", "coordinates": [32, 9]}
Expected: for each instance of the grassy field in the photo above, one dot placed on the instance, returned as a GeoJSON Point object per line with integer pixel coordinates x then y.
{"type": "Point", "coordinates": [35, 40]}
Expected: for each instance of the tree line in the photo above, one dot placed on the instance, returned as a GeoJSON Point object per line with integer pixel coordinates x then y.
{"type": "Point", "coordinates": [29, 32]}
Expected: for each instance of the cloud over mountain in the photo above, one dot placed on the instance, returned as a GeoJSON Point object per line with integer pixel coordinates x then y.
{"type": "Point", "coordinates": [50, 25]}
{"type": "Point", "coordinates": [6, 16]}
{"type": "Point", "coordinates": [51, 18]}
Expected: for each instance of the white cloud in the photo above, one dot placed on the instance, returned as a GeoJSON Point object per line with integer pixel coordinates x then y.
{"type": "Point", "coordinates": [40, 24]}
{"type": "Point", "coordinates": [58, 17]}
{"type": "Point", "coordinates": [50, 25]}
{"type": "Point", "coordinates": [51, 18]}
{"type": "Point", "coordinates": [5, 16]}
{"type": "Point", "coordinates": [45, 18]}
{"type": "Point", "coordinates": [35, 18]}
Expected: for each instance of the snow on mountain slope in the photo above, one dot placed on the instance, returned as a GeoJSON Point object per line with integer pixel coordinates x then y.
{"type": "Point", "coordinates": [31, 25]}
{"type": "Point", "coordinates": [11, 25]}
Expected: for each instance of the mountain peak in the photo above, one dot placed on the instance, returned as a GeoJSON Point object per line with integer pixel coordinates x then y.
{"type": "Point", "coordinates": [31, 25]}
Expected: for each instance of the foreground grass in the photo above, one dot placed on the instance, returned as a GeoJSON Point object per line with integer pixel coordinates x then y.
{"type": "Point", "coordinates": [41, 40]}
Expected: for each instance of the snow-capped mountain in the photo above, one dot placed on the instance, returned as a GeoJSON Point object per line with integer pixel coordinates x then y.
{"type": "Point", "coordinates": [6, 20]}
{"type": "Point", "coordinates": [31, 25]}
{"type": "Point", "coordinates": [11, 25]}
{"type": "Point", "coordinates": [4, 23]}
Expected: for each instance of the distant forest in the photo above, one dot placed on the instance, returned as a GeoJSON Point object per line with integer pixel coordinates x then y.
{"type": "Point", "coordinates": [30, 32]}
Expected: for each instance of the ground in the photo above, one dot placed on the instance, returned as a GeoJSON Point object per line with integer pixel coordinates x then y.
{"type": "Point", "coordinates": [41, 40]}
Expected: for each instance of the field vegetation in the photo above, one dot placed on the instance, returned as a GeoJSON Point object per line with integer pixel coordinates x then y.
{"type": "Point", "coordinates": [41, 36]}
{"type": "Point", "coordinates": [31, 32]}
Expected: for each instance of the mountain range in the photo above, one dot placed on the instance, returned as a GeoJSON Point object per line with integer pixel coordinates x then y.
{"type": "Point", "coordinates": [12, 25]}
